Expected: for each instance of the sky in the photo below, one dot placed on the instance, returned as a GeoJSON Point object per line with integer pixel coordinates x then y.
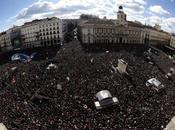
{"type": "Point", "coordinates": [16, 12]}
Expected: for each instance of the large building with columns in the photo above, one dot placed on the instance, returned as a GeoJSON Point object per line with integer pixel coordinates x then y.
{"type": "Point", "coordinates": [121, 31]}
{"type": "Point", "coordinates": [37, 33]}
{"type": "Point", "coordinates": [44, 32]}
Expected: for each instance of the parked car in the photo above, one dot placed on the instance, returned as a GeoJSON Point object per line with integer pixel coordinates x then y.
{"type": "Point", "coordinates": [105, 99]}
{"type": "Point", "coordinates": [155, 84]}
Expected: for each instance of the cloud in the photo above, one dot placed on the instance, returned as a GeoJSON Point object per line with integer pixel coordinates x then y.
{"type": "Point", "coordinates": [169, 24]}
{"type": "Point", "coordinates": [157, 9]}
{"type": "Point", "coordinates": [135, 10]}
{"type": "Point", "coordinates": [65, 7]}
{"type": "Point", "coordinates": [36, 8]}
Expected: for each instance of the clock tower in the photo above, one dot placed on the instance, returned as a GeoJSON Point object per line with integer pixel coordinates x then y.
{"type": "Point", "coordinates": [121, 16]}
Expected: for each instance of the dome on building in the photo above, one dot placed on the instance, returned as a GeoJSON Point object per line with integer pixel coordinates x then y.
{"type": "Point", "coordinates": [120, 7]}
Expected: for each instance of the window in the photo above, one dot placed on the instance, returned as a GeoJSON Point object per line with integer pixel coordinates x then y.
{"type": "Point", "coordinates": [89, 40]}
{"type": "Point", "coordinates": [88, 31]}
{"type": "Point", "coordinates": [99, 30]}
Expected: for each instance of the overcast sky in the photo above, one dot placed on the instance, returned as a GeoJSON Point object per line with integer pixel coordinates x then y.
{"type": "Point", "coordinates": [16, 12]}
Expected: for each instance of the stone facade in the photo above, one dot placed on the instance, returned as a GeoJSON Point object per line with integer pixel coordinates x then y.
{"type": "Point", "coordinates": [121, 31]}
{"type": "Point", "coordinates": [172, 41]}
{"type": "Point", "coordinates": [5, 40]}
{"type": "Point", "coordinates": [45, 32]}
{"type": "Point", "coordinates": [157, 36]}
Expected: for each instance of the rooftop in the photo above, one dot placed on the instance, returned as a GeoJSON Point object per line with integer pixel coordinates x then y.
{"type": "Point", "coordinates": [99, 21]}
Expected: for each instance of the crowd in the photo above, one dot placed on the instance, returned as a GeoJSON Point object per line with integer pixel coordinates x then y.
{"type": "Point", "coordinates": [33, 97]}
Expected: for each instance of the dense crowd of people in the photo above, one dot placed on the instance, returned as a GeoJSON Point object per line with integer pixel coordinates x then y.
{"type": "Point", "coordinates": [33, 97]}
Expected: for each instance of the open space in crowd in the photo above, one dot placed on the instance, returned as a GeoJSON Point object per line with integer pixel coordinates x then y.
{"type": "Point", "coordinates": [33, 97]}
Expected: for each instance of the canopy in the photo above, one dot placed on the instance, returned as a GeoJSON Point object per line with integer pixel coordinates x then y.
{"type": "Point", "coordinates": [20, 57]}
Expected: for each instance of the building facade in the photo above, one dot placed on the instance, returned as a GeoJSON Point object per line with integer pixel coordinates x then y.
{"type": "Point", "coordinates": [157, 36]}
{"type": "Point", "coordinates": [5, 40]}
{"type": "Point", "coordinates": [30, 33]}
{"type": "Point", "coordinates": [50, 31]}
{"type": "Point", "coordinates": [118, 31]}
{"type": "Point", "coordinates": [99, 31]}
{"type": "Point", "coordinates": [37, 33]}
{"type": "Point", "coordinates": [15, 37]}
{"type": "Point", "coordinates": [45, 32]}
{"type": "Point", "coordinates": [172, 41]}
{"type": "Point", "coordinates": [121, 31]}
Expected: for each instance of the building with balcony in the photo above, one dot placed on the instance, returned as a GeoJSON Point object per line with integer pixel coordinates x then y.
{"type": "Point", "coordinates": [5, 40]}
{"type": "Point", "coordinates": [37, 33]}
{"type": "Point", "coordinates": [15, 37]}
{"type": "Point", "coordinates": [50, 31]}
{"type": "Point", "coordinates": [121, 31]}
{"type": "Point", "coordinates": [112, 31]}
{"type": "Point", "coordinates": [172, 40]}
{"type": "Point", "coordinates": [44, 32]}
{"type": "Point", "coordinates": [29, 34]}
{"type": "Point", "coordinates": [157, 36]}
